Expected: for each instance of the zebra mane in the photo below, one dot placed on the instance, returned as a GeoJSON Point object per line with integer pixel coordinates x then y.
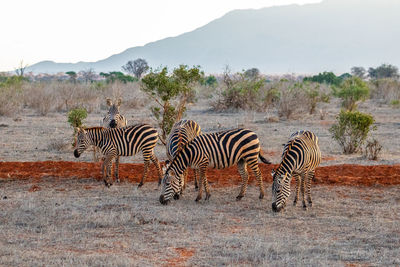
{"type": "Point", "coordinates": [95, 128]}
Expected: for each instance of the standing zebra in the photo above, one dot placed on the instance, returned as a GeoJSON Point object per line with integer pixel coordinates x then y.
{"type": "Point", "coordinates": [182, 133]}
{"type": "Point", "coordinates": [300, 159]}
{"type": "Point", "coordinates": [216, 150]}
{"type": "Point", "coordinates": [114, 142]}
{"type": "Point", "coordinates": [113, 119]}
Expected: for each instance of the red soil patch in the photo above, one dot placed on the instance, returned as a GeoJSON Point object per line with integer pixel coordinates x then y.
{"type": "Point", "coordinates": [350, 175]}
{"type": "Point", "coordinates": [183, 255]}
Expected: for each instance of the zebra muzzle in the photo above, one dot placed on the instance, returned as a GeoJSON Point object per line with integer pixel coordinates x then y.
{"type": "Point", "coordinates": [76, 153]}
{"type": "Point", "coordinates": [163, 201]}
{"type": "Point", "coordinates": [275, 207]}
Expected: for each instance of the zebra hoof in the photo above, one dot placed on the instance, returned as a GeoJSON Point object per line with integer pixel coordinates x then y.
{"type": "Point", "coordinates": [261, 196]}
{"type": "Point", "coordinates": [118, 181]}
{"type": "Point", "coordinates": [295, 203]}
{"type": "Point", "coordinates": [140, 185]}
{"type": "Point", "coordinates": [304, 207]}
{"type": "Point", "coordinates": [107, 184]}
{"type": "Point", "coordinates": [208, 196]}
{"type": "Point", "coordinates": [239, 197]}
{"type": "Point", "coordinates": [198, 198]}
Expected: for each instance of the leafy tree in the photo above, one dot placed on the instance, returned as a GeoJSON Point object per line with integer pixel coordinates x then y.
{"type": "Point", "coordinates": [325, 77]}
{"type": "Point", "coordinates": [384, 71]}
{"type": "Point", "coordinates": [170, 93]}
{"type": "Point", "coordinates": [351, 91]}
{"type": "Point", "coordinates": [113, 76]}
{"type": "Point", "coordinates": [72, 76]}
{"type": "Point", "coordinates": [252, 73]}
{"type": "Point", "coordinates": [359, 72]}
{"type": "Point", "coordinates": [137, 67]}
{"type": "Point", "coordinates": [239, 91]}
{"type": "Point", "coordinates": [75, 119]}
{"type": "Point", "coordinates": [351, 130]}
{"type": "Point", "coordinates": [209, 81]}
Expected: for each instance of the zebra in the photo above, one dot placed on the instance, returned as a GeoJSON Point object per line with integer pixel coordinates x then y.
{"type": "Point", "coordinates": [300, 159]}
{"type": "Point", "coordinates": [216, 150]}
{"type": "Point", "coordinates": [125, 141]}
{"type": "Point", "coordinates": [113, 119]}
{"type": "Point", "coordinates": [182, 133]}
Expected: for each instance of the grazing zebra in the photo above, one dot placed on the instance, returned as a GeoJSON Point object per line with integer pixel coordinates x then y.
{"type": "Point", "coordinates": [182, 133]}
{"type": "Point", "coordinates": [126, 141]}
{"type": "Point", "coordinates": [301, 157]}
{"type": "Point", "coordinates": [216, 150]}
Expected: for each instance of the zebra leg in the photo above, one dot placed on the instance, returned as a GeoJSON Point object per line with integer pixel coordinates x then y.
{"type": "Point", "coordinates": [116, 170]}
{"type": "Point", "coordinates": [146, 168]}
{"type": "Point", "coordinates": [310, 177]}
{"type": "Point", "coordinates": [107, 165]}
{"type": "Point", "coordinates": [256, 170]}
{"type": "Point", "coordinates": [245, 177]}
{"type": "Point", "coordinates": [184, 180]}
{"type": "Point", "coordinates": [157, 164]}
{"type": "Point", "coordinates": [203, 180]}
{"type": "Point", "coordinates": [196, 178]}
{"type": "Point", "coordinates": [303, 184]}
{"type": "Point", "coordinates": [298, 181]}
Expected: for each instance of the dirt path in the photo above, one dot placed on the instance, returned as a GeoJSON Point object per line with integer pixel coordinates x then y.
{"type": "Point", "coordinates": [350, 175]}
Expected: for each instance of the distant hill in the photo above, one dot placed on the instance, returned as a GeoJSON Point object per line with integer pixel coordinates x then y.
{"type": "Point", "coordinates": [333, 35]}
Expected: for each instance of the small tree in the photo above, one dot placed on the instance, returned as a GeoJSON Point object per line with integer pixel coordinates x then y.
{"type": "Point", "coordinates": [351, 91]}
{"type": "Point", "coordinates": [21, 68]}
{"type": "Point", "coordinates": [75, 119]}
{"type": "Point", "coordinates": [351, 130]}
{"type": "Point", "coordinates": [384, 71]}
{"type": "Point", "coordinates": [72, 76]}
{"type": "Point", "coordinates": [88, 75]}
{"type": "Point", "coordinates": [325, 77]}
{"type": "Point", "coordinates": [170, 92]}
{"type": "Point", "coordinates": [137, 67]}
{"type": "Point", "coordinates": [359, 72]}
{"type": "Point", "coordinates": [114, 76]}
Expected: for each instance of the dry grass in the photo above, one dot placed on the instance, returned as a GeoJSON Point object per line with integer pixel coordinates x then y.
{"type": "Point", "coordinates": [80, 222]}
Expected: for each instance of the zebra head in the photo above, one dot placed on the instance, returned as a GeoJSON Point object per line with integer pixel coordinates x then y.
{"type": "Point", "coordinates": [113, 117]}
{"type": "Point", "coordinates": [170, 186]}
{"type": "Point", "coordinates": [82, 143]}
{"type": "Point", "coordinates": [280, 190]}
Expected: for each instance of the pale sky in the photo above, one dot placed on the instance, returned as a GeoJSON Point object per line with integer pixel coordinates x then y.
{"type": "Point", "coordinates": [91, 30]}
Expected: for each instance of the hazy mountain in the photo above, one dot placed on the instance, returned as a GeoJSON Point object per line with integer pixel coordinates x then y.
{"type": "Point", "coordinates": [333, 35]}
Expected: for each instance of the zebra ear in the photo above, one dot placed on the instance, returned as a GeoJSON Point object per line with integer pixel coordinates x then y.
{"type": "Point", "coordinates": [119, 101]}
{"type": "Point", "coordinates": [109, 102]}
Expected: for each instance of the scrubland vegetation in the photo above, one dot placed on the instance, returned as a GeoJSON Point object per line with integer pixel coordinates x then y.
{"type": "Point", "coordinates": [167, 93]}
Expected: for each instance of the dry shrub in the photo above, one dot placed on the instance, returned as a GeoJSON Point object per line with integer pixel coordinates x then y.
{"type": "Point", "coordinates": [372, 149]}
{"type": "Point", "coordinates": [39, 96]}
{"type": "Point", "coordinates": [10, 100]}
{"type": "Point", "coordinates": [292, 101]}
{"type": "Point", "coordinates": [385, 89]}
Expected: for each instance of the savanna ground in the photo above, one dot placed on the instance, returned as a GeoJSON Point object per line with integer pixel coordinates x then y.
{"type": "Point", "coordinates": [59, 213]}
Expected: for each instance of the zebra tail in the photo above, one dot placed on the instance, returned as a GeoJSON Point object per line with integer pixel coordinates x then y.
{"type": "Point", "coordinates": [263, 159]}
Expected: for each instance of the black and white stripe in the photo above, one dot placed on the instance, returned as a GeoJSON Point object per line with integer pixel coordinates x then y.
{"type": "Point", "coordinates": [216, 150]}
{"type": "Point", "coordinates": [300, 159]}
{"type": "Point", "coordinates": [181, 134]}
{"type": "Point", "coordinates": [115, 142]}
{"type": "Point", "coordinates": [113, 119]}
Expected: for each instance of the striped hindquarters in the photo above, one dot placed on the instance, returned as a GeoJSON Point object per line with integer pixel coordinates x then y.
{"type": "Point", "coordinates": [182, 133]}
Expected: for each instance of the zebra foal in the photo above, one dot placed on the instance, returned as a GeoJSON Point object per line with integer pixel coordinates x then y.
{"type": "Point", "coordinates": [115, 142]}
{"type": "Point", "coordinates": [182, 133]}
{"type": "Point", "coordinates": [216, 150]}
{"type": "Point", "coordinates": [301, 156]}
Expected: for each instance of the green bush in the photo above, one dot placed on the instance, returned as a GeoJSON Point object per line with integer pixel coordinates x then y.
{"type": "Point", "coordinates": [351, 130]}
{"type": "Point", "coordinates": [395, 103]}
{"type": "Point", "coordinates": [351, 91]}
{"type": "Point", "coordinates": [76, 117]}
